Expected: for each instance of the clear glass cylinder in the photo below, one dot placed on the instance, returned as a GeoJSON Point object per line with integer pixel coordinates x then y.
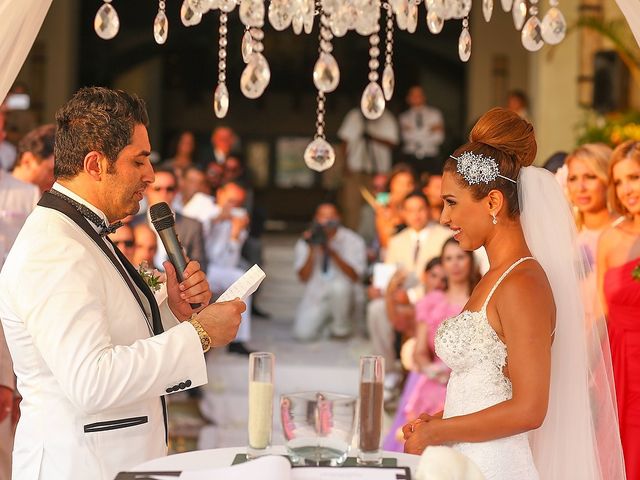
{"type": "Point", "coordinates": [261, 366]}
{"type": "Point", "coordinates": [371, 402]}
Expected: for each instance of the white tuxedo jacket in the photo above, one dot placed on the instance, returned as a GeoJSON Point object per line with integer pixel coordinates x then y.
{"type": "Point", "coordinates": [88, 367]}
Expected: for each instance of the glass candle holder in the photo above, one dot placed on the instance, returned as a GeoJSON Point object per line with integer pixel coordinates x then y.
{"type": "Point", "coordinates": [370, 419]}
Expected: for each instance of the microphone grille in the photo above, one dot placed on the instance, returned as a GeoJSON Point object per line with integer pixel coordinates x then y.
{"type": "Point", "coordinates": [161, 216]}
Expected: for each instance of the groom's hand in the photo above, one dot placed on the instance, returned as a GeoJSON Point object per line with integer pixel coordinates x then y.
{"type": "Point", "coordinates": [193, 289]}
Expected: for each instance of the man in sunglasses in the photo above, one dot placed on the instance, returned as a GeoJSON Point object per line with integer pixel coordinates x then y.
{"type": "Point", "coordinates": [123, 239]}
{"type": "Point", "coordinates": [164, 189]}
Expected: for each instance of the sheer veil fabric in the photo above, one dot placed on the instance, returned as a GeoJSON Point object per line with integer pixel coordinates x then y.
{"type": "Point", "coordinates": [580, 435]}
{"type": "Point", "coordinates": [20, 22]}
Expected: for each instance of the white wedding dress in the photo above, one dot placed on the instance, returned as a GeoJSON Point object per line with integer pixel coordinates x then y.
{"type": "Point", "coordinates": [471, 348]}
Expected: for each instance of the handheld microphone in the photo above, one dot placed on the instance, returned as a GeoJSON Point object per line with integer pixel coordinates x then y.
{"type": "Point", "coordinates": [164, 222]}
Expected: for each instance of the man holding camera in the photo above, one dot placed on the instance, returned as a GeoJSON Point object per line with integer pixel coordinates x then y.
{"type": "Point", "coordinates": [330, 259]}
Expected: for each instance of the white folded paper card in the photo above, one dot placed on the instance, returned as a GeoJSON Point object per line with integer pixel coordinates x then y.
{"type": "Point", "coordinates": [279, 468]}
{"type": "Point", "coordinates": [382, 273]}
{"type": "Point", "coordinates": [245, 286]}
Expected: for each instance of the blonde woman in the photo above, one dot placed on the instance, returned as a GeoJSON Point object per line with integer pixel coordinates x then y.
{"type": "Point", "coordinates": [587, 179]}
{"type": "Point", "coordinates": [587, 188]}
{"type": "Point", "coordinates": [619, 282]}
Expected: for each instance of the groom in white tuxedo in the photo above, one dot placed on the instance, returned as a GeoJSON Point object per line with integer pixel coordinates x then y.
{"type": "Point", "coordinates": [93, 352]}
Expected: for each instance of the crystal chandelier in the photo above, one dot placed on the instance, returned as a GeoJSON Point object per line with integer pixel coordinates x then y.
{"type": "Point", "coordinates": [335, 19]}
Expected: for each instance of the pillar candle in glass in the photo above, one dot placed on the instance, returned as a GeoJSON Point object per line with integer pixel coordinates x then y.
{"type": "Point", "coordinates": [261, 365]}
{"type": "Point", "coordinates": [371, 393]}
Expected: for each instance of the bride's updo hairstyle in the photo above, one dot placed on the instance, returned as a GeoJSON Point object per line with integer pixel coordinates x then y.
{"type": "Point", "coordinates": [502, 135]}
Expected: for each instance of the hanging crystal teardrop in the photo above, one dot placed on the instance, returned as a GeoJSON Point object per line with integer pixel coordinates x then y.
{"type": "Point", "coordinates": [200, 6]}
{"type": "Point", "coordinates": [464, 45]}
{"type": "Point", "coordinates": [487, 9]}
{"type": "Point", "coordinates": [279, 16]}
{"type": "Point", "coordinates": [297, 24]}
{"type": "Point", "coordinates": [519, 13]}
{"type": "Point", "coordinates": [160, 27]}
{"type": "Point", "coordinates": [106, 24]}
{"type": "Point", "coordinates": [554, 26]}
{"type": "Point", "coordinates": [326, 73]}
{"type": "Point", "coordinates": [506, 5]}
{"type": "Point", "coordinates": [436, 6]}
{"type": "Point", "coordinates": [255, 76]}
{"type": "Point", "coordinates": [188, 16]}
{"type": "Point", "coordinates": [434, 22]}
{"type": "Point", "coordinates": [532, 35]}
{"type": "Point", "coordinates": [227, 6]}
{"type": "Point", "coordinates": [252, 13]}
{"type": "Point", "coordinates": [388, 82]}
{"type": "Point", "coordinates": [247, 46]}
{"type": "Point", "coordinates": [319, 155]}
{"type": "Point", "coordinates": [221, 100]}
{"type": "Point", "coordinates": [412, 18]}
{"type": "Point", "coordinates": [372, 102]}
{"type": "Point", "coordinates": [402, 14]}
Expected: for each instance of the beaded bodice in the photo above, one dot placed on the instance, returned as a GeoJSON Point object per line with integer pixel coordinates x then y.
{"type": "Point", "coordinates": [476, 356]}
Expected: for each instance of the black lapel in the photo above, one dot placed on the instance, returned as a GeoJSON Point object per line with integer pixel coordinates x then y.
{"type": "Point", "coordinates": [56, 203]}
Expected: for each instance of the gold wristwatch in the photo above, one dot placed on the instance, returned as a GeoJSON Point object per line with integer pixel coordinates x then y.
{"type": "Point", "coordinates": [205, 339]}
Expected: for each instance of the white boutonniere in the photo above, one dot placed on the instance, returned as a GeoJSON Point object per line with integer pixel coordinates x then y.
{"type": "Point", "coordinates": [151, 277]}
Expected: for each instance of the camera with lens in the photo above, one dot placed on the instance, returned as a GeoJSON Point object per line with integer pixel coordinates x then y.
{"type": "Point", "coordinates": [318, 234]}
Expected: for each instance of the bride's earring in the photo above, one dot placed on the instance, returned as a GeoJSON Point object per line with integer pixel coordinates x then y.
{"type": "Point", "coordinates": [495, 220]}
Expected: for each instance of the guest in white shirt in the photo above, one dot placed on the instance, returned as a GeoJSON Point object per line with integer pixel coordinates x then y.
{"type": "Point", "coordinates": [410, 250]}
{"type": "Point", "coordinates": [422, 130]}
{"type": "Point", "coordinates": [369, 148]}
{"type": "Point", "coordinates": [227, 233]}
{"type": "Point", "coordinates": [35, 157]}
{"type": "Point", "coordinates": [8, 152]}
{"type": "Point", "coordinates": [330, 260]}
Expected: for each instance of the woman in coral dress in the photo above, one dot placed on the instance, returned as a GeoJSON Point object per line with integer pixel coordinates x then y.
{"type": "Point", "coordinates": [619, 276]}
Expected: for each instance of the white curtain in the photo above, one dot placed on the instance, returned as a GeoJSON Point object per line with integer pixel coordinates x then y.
{"type": "Point", "coordinates": [20, 22]}
{"type": "Point", "coordinates": [631, 11]}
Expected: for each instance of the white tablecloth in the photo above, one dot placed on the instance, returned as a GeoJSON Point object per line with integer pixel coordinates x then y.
{"type": "Point", "coordinates": [223, 457]}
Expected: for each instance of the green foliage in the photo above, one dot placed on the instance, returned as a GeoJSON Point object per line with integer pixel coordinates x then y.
{"type": "Point", "coordinates": [612, 129]}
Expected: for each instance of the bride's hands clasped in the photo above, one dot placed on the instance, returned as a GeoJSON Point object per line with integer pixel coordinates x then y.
{"type": "Point", "coordinates": [422, 433]}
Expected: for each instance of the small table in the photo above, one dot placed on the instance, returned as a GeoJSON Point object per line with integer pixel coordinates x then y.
{"type": "Point", "coordinates": [223, 457]}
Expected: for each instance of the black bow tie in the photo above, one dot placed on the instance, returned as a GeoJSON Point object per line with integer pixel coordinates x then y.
{"type": "Point", "coordinates": [89, 215]}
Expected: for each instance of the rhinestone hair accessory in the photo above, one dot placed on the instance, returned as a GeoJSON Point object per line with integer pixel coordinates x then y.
{"type": "Point", "coordinates": [478, 168]}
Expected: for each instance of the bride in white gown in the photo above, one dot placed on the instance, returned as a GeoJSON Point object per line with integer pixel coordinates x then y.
{"type": "Point", "coordinates": [530, 394]}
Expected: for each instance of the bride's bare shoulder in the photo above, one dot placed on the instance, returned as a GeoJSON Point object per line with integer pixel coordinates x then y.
{"type": "Point", "coordinates": [526, 286]}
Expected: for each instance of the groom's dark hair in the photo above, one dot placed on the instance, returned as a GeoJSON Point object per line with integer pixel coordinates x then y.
{"type": "Point", "coordinates": [95, 119]}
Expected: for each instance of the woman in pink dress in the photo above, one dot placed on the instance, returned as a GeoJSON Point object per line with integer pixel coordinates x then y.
{"type": "Point", "coordinates": [619, 282]}
{"type": "Point", "coordinates": [425, 388]}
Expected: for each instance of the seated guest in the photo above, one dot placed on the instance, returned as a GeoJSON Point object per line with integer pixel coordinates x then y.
{"type": "Point", "coordinates": [183, 152]}
{"type": "Point", "coordinates": [34, 163]}
{"type": "Point", "coordinates": [431, 186]}
{"type": "Point", "coordinates": [164, 189]}
{"type": "Point", "coordinates": [389, 215]}
{"type": "Point", "coordinates": [146, 246]}
{"type": "Point", "coordinates": [410, 250]}
{"type": "Point", "coordinates": [123, 239]}
{"type": "Point", "coordinates": [214, 172]}
{"type": "Point", "coordinates": [330, 259]}
{"type": "Point", "coordinates": [226, 235]}
{"type": "Point", "coordinates": [425, 389]}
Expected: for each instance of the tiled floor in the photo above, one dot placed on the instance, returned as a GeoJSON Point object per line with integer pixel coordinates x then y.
{"type": "Point", "coordinates": [324, 365]}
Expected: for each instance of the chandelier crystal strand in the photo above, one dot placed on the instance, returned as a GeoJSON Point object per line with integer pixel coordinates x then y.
{"type": "Point", "coordinates": [372, 102]}
{"type": "Point", "coordinates": [106, 22]}
{"type": "Point", "coordinates": [531, 34]}
{"type": "Point", "coordinates": [256, 75]}
{"type": "Point", "coordinates": [519, 11]}
{"type": "Point", "coordinates": [554, 26]}
{"type": "Point", "coordinates": [247, 46]}
{"type": "Point", "coordinates": [326, 73]}
{"type": "Point", "coordinates": [161, 24]}
{"type": "Point", "coordinates": [464, 42]}
{"type": "Point", "coordinates": [221, 94]}
{"type": "Point", "coordinates": [388, 77]}
{"type": "Point", "coordinates": [319, 154]}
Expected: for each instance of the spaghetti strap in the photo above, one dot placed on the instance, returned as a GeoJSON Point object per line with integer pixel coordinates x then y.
{"type": "Point", "coordinates": [502, 277]}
